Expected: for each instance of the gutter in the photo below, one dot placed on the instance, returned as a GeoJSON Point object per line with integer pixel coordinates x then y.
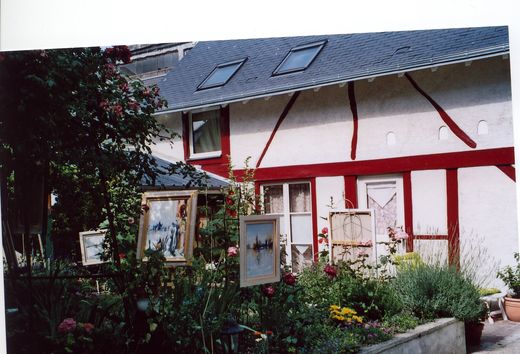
{"type": "Point", "coordinates": [455, 59]}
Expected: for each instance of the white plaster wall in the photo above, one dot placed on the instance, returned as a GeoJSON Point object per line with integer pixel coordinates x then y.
{"type": "Point", "coordinates": [429, 202]}
{"type": "Point", "coordinates": [170, 150]}
{"type": "Point", "coordinates": [327, 188]}
{"type": "Point", "coordinates": [317, 129]}
{"type": "Point", "coordinates": [319, 126]}
{"type": "Point", "coordinates": [433, 252]}
{"type": "Point", "coordinates": [488, 217]}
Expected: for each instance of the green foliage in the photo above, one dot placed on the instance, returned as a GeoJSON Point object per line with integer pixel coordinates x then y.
{"type": "Point", "coordinates": [432, 291]}
{"type": "Point", "coordinates": [401, 322]}
{"type": "Point", "coordinates": [511, 276]}
{"type": "Point", "coordinates": [488, 291]}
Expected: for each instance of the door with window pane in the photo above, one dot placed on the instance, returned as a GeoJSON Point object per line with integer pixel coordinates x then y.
{"type": "Point", "coordinates": [292, 202]}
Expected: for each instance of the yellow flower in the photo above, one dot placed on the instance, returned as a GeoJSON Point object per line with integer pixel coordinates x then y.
{"type": "Point", "coordinates": [334, 307]}
{"type": "Point", "coordinates": [357, 319]}
{"type": "Point", "coordinates": [347, 311]}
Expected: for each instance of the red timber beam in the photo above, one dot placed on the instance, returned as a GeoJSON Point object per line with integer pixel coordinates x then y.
{"type": "Point", "coordinates": [445, 117]}
{"type": "Point", "coordinates": [408, 209]}
{"type": "Point", "coordinates": [351, 201]}
{"type": "Point", "coordinates": [353, 108]}
{"type": "Point", "coordinates": [509, 171]}
{"type": "Point", "coordinates": [285, 111]}
{"type": "Point", "coordinates": [473, 158]}
{"type": "Point", "coordinates": [452, 194]}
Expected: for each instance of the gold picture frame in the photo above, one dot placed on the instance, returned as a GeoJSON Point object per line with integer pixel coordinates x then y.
{"type": "Point", "coordinates": [167, 224]}
{"type": "Point", "coordinates": [91, 244]}
{"type": "Point", "coordinates": [259, 249]}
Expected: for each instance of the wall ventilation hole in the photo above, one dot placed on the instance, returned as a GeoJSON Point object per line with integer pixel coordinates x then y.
{"type": "Point", "coordinates": [390, 139]}
{"type": "Point", "coordinates": [443, 133]}
{"type": "Point", "coordinates": [482, 128]}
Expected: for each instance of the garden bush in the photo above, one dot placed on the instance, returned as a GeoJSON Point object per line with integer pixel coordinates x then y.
{"type": "Point", "coordinates": [434, 291]}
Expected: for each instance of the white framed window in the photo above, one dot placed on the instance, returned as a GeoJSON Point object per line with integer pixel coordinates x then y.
{"type": "Point", "coordinates": [384, 195]}
{"type": "Point", "coordinates": [292, 202]}
{"type": "Point", "coordinates": [204, 134]}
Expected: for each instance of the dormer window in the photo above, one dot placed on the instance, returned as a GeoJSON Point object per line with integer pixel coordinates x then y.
{"type": "Point", "coordinates": [299, 58]}
{"type": "Point", "coordinates": [221, 74]}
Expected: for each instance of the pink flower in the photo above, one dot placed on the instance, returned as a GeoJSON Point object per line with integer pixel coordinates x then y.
{"type": "Point", "coordinates": [330, 271]}
{"type": "Point", "coordinates": [232, 251]}
{"type": "Point", "coordinates": [133, 105]}
{"type": "Point", "coordinates": [325, 230]}
{"type": "Point", "coordinates": [367, 243]}
{"type": "Point", "coordinates": [289, 279]}
{"type": "Point", "coordinates": [268, 291]}
{"type": "Point", "coordinates": [145, 207]}
{"type": "Point", "coordinates": [67, 325]}
{"type": "Point", "coordinates": [88, 327]}
{"type": "Point", "coordinates": [400, 234]}
{"type": "Point", "coordinates": [324, 240]}
{"type": "Point", "coordinates": [124, 86]}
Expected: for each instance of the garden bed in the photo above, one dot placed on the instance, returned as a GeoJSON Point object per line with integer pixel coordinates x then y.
{"type": "Point", "coordinates": [445, 335]}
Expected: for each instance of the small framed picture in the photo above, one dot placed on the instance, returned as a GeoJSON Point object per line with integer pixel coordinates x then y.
{"type": "Point", "coordinates": [167, 225]}
{"type": "Point", "coordinates": [91, 243]}
{"type": "Point", "coordinates": [259, 249]}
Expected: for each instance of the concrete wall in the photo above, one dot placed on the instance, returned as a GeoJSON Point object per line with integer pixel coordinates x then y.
{"type": "Point", "coordinates": [444, 336]}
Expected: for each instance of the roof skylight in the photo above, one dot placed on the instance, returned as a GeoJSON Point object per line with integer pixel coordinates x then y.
{"type": "Point", "coordinates": [221, 74]}
{"type": "Point", "coordinates": [299, 58]}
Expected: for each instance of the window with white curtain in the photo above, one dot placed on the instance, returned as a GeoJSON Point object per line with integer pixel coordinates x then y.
{"type": "Point", "coordinates": [205, 134]}
{"type": "Point", "coordinates": [292, 201]}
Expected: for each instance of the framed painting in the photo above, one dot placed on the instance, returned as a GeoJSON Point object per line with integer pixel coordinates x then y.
{"type": "Point", "coordinates": [91, 244]}
{"type": "Point", "coordinates": [167, 225]}
{"type": "Point", "coordinates": [259, 249]}
{"type": "Point", "coordinates": [352, 231]}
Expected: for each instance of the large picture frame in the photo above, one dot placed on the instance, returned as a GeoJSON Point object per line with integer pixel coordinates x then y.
{"type": "Point", "coordinates": [259, 249]}
{"type": "Point", "coordinates": [352, 231]}
{"type": "Point", "coordinates": [167, 224]}
{"type": "Point", "coordinates": [91, 244]}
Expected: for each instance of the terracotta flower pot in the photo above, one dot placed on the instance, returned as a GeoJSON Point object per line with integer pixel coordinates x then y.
{"type": "Point", "coordinates": [512, 308]}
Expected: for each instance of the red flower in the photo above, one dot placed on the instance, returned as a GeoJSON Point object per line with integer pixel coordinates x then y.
{"type": "Point", "coordinates": [130, 220]}
{"type": "Point", "coordinates": [122, 255]}
{"type": "Point", "coordinates": [232, 213]}
{"type": "Point", "coordinates": [88, 327]}
{"type": "Point", "coordinates": [104, 104]}
{"type": "Point", "coordinates": [268, 291]}
{"type": "Point", "coordinates": [324, 240]}
{"type": "Point", "coordinates": [145, 207]}
{"type": "Point", "coordinates": [123, 86]}
{"type": "Point", "coordinates": [133, 105]}
{"type": "Point", "coordinates": [118, 110]}
{"type": "Point", "coordinates": [330, 271]}
{"type": "Point", "coordinates": [229, 201]}
{"type": "Point", "coordinates": [325, 230]}
{"type": "Point", "coordinates": [67, 325]}
{"type": "Point", "coordinates": [289, 279]}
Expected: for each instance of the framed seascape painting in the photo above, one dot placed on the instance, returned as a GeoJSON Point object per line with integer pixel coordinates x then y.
{"type": "Point", "coordinates": [167, 225]}
{"type": "Point", "coordinates": [91, 243]}
{"type": "Point", "coordinates": [259, 249]}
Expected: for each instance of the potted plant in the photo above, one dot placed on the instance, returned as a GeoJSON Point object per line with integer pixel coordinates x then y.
{"type": "Point", "coordinates": [511, 277]}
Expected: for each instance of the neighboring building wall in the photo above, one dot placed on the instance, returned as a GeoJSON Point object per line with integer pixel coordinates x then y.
{"type": "Point", "coordinates": [488, 217]}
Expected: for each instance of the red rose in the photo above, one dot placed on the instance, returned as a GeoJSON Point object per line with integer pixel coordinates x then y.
{"type": "Point", "coordinates": [268, 291]}
{"type": "Point", "coordinates": [289, 279]}
{"type": "Point", "coordinates": [118, 110]}
{"type": "Point", "coordinates": [330, 271]}
{"type": "Point", "coordinates": [124, 87]}
{"type": "Point", "coordinates": [325, 230]}
{"type": "Point", "coordinates": [88, 327]}
{"type": "Point", "coordinates": [122, 255]}
{"type": "Point", "coordinates": [324, 240]}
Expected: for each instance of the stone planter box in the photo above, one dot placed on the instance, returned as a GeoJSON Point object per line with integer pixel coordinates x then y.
{"type": "Point", "coordinates": [445, 335]}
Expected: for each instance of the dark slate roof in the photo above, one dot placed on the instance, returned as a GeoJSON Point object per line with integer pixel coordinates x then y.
{"type": "Point", "coordinates": [345, 57]}
{"type": "Point", "coordinates": [178, 181]}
